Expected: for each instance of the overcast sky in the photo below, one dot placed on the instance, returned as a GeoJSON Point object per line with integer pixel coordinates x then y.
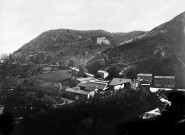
{"type": "Point", "coordinates": [23, 20]}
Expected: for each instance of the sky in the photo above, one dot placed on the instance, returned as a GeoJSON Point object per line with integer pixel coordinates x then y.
{"type": "Point", "coordinates": [23, 20]}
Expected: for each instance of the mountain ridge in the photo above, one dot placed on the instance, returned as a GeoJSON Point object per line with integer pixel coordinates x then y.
{"type": "Point", "coordinates": [67, 43]}
{"type": "Point", "coordinates": [159, 51]}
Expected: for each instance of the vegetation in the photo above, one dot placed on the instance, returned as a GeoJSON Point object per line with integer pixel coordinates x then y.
{"type": "Point", "coordinates": [95, 118]}
{"type": "Point", "coordinates": [63, 44]}
{"type": "Point", "coordinates": [159, 51]}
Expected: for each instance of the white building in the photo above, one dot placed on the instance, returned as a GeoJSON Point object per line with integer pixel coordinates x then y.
{"type": "Point", "coordinates": [103, 74]}
{"type": "Point", "coordinates": [103, 41]}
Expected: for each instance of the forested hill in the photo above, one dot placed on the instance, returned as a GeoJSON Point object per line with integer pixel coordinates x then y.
{"type": "Point", "coordinates": [55, 45]}
{"type": "Point", "coordinates": [159, 51]}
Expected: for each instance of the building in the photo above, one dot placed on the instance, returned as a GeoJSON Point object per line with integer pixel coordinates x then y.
{"type": "Point", "coordinates": [103, 41]}
{"type": "Point", "coordinates": [77, 94]}
{"type": "Point", "coordinates": [135, 85]}
{"type": "Point", "coordinates": [144, 86]}
{"type": "Point", "coordinates": [164, 81]}
{"type": "Point", "coordinates": [119, 83]}
{"type": "Point", "coordinates": [103, 74]}
{"type": "Point", "coordinates": [140, 84]}
{"type": "Point", "coordinates": [147, 77]}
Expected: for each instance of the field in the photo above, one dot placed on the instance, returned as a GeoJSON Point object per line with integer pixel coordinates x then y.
{"type": "Point", "coordinates": [44, 81]}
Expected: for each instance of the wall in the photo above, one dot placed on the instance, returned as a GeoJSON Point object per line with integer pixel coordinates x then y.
{"type": "Point", "coordinates": [103, 40]}
{"type": "Point", "coordinates": [117, 87]}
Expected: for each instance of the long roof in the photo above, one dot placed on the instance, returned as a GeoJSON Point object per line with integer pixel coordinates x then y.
{"type": "Point", "coordinates": [118, 81]}
{"type": "Point", "coordinates": [168, 77]}
{"type": "Point", "coordinates": [77, 91]}
{"type": "Point", "coordinates": [142, 74]}
{"type": "Point", "coordinates": [91, 85]}
{"type": "Point", "coordinates": [82, 79]}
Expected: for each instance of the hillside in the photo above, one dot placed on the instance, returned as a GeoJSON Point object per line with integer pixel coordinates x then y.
{"type": "Point", "coordinates": [159, 51]}
{"type": "Point", "coordinates": [63, 44]}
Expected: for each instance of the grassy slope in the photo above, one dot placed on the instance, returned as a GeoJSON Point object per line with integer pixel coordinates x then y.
{"type": "Point", "coordinates": [43, 81]}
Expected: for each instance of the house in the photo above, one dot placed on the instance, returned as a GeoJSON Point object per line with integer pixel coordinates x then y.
{"type": "Point", "coordinates": [144, 86]}
{"type": "Point", "coordinates": [103, 74]}
{"type": "Point", "coordinates": [164, 81]}
{"type": "Point", "coordinates": [147, 77]}
{"type": "Point", "coordinates": [119, 83]}
{"type": "Point", "coordinates": [77, 94]}
{"type": "Point", "coordinates": [103, 41]}
{"type": "Point", "coordinates": [140, 84]}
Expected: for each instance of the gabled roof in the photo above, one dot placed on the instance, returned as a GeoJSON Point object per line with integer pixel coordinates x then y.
{"type": "Point", "coordinates": [118, 81]}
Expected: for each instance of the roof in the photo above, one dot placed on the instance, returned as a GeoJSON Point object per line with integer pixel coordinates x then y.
{"type": "Point", "coordinates": [82, 79]}
{"type": "Point", "coordinates": [117, 81]}
{"type": "Point", "coordinates": [90, 75]}
{"type": "Point", "coordinates": [74, 68]}
{"type": "Point", "coordinates": [101, 71]}
{"type": "Point", "coordinates": [167, 77]}
{"type": "Point", "coordinates": [142, 74]}
{"type": "Point", "coordinates": [77, 91]}
{"type": "Point", "coordinates": [93, 85]}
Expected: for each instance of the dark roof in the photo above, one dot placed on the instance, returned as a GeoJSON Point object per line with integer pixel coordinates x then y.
{"type": "Point", "coordinates": [118, 81]}
{"type": "Point", "coordinates": [77, 91]}
{"type": "Point", "coordinates": [92, 85]}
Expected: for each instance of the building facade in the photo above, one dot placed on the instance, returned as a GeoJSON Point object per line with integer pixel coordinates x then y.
{"type": "Point", "coordinates": [164, 81]}
{"type": "Point", "coordinates": [147, 77]}
{"type": "Point", "coordinates": [103, 74]}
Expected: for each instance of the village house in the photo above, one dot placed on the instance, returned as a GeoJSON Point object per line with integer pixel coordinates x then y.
{"type": "Point", "coordinates": [140, 84]}
{"type": "Point", "coordinates": [147, 77]}
{"type": "Point", "coordinates": [77, 94]}
{"type": "Point", "coordinates": [164, 81]}
{"type": "Point", "coordinates": [103, 74]}
{"type": "Point", "coordinates": [119, 83]}
{"type": "Point", "coordinates": [103, 41]}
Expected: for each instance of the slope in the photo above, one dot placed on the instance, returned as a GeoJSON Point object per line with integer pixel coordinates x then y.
{"type": "Point", "coordinates": [54, 45]}
{"type": "Point", "coordinates": [159, 51]}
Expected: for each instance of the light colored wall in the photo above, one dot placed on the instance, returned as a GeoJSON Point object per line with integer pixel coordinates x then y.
{"type": "Point", "coordinates": [117, 87]}
{"type": "Point", "coordinates": [103, 40]}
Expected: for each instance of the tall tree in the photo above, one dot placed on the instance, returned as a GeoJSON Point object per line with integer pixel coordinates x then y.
{"type": "Point", "coordinates": [82, 70]}
{"type": "Point", "coordinates": [71, 63]}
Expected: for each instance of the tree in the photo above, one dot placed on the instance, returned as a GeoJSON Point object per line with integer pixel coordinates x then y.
{"type": "Point", "coordinates": [82, 70]}
{"type": "Point", "coordinates": [71, 63]}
